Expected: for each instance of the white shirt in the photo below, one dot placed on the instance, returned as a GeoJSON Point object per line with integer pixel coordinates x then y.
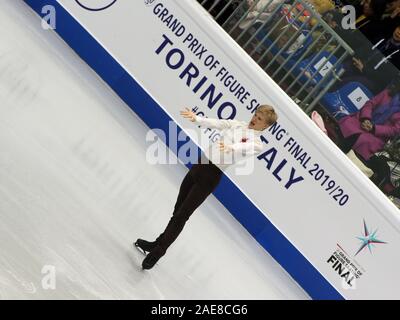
{"type": "Point", "coordinates": [242, 142]}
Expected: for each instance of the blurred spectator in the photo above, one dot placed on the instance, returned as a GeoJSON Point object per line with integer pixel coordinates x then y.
{"type": "Point", "coordinates": [334, 19]}
{"type": "Point", "coordinates": [369, 15]}
{"type": "Point", "coordinates": [353, 37]}
{"type": "Point", "coordinates": [259, 12]}
{"type": "Point", "coordinates": [367, 132]}
{"type": "Point", "coordinates": [217, 6]}
{"type": "Point", "coordinates": [369, 10]}
{"type": "Point", "coordinates": [373, 65]}
{"type": "Point", "coordinates": [384, 26]}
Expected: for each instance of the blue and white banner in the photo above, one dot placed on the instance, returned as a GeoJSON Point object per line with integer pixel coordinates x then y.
{"type": "Point", "coordinates": [304, 202]}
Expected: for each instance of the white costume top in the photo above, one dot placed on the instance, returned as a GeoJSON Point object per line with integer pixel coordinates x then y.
{"type": "Point", "coordinates": [241, 141]}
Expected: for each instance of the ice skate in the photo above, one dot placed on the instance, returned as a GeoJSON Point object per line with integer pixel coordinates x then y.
{"type": "Point", "coordinates": [145, 246]}
{"type": "Point", "coordinates": [152, 258]}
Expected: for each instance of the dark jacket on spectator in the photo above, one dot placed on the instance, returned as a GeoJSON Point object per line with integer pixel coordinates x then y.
{"type": "Point", "coordinates": [381, 56]}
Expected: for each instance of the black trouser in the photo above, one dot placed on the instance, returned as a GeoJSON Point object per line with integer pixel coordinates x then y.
{"type": "Point", "coordinates": [377, 164]}
{"type": "Point", "coordinates": [197, 185]}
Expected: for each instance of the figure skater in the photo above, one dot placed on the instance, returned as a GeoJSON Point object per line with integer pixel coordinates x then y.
{"type": "Point", "coordinates": [238, 140]}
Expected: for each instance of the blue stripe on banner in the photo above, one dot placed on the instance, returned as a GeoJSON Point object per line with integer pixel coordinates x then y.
{"type": "Point", "coordinates": [154, 116]}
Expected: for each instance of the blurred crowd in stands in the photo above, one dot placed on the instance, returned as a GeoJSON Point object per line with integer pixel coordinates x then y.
{"type": "Point", "coordinates": [370, 131]}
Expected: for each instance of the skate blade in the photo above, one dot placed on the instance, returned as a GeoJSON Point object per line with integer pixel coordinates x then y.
{"type": "Point", "coordinates": [140, 249]}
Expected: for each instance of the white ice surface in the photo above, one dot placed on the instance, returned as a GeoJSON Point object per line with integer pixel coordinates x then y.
{"type": "Point", "coordinates": [76, 190]}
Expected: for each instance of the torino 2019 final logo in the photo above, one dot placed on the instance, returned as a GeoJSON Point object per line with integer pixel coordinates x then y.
{"type": "Point", "coordinates": [95, 5]}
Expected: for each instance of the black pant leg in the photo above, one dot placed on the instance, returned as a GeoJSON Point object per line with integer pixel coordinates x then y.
{"type": "Point", "coordinates": [198, 184]}
{"type": "Point", "coordinates": [197, 194]}
{"type": "Point", "coordinates": [184, 190]}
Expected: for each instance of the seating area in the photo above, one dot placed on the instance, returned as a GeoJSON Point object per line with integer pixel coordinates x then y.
{"type": "Point", "coordinates": [304, 47]}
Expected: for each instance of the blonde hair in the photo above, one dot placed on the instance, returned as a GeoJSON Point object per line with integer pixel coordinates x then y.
{"type": "Point", "coordinates": [269, 113]}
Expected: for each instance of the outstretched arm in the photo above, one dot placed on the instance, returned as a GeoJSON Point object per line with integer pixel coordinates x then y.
{"type": "Point", "coordinates": [207, 122]}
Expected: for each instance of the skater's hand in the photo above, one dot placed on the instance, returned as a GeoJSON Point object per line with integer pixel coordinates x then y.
{"type": "Point", "coordinates": [224, 147]}
{"type": "Point", "coordinates": [187, 114]}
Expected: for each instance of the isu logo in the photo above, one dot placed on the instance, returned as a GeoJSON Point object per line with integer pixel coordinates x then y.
{"type": "Point", "coordinates": [95, 5]}
{"type": "Point", "coordinates": [368, 239]}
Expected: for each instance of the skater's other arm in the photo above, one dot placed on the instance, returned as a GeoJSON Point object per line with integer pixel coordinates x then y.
{"type": "Point", "coordinates": [207, 122]}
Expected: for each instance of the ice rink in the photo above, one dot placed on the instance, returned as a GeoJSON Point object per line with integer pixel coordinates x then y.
{"type": "Point", "coordinates": [76, 191]}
